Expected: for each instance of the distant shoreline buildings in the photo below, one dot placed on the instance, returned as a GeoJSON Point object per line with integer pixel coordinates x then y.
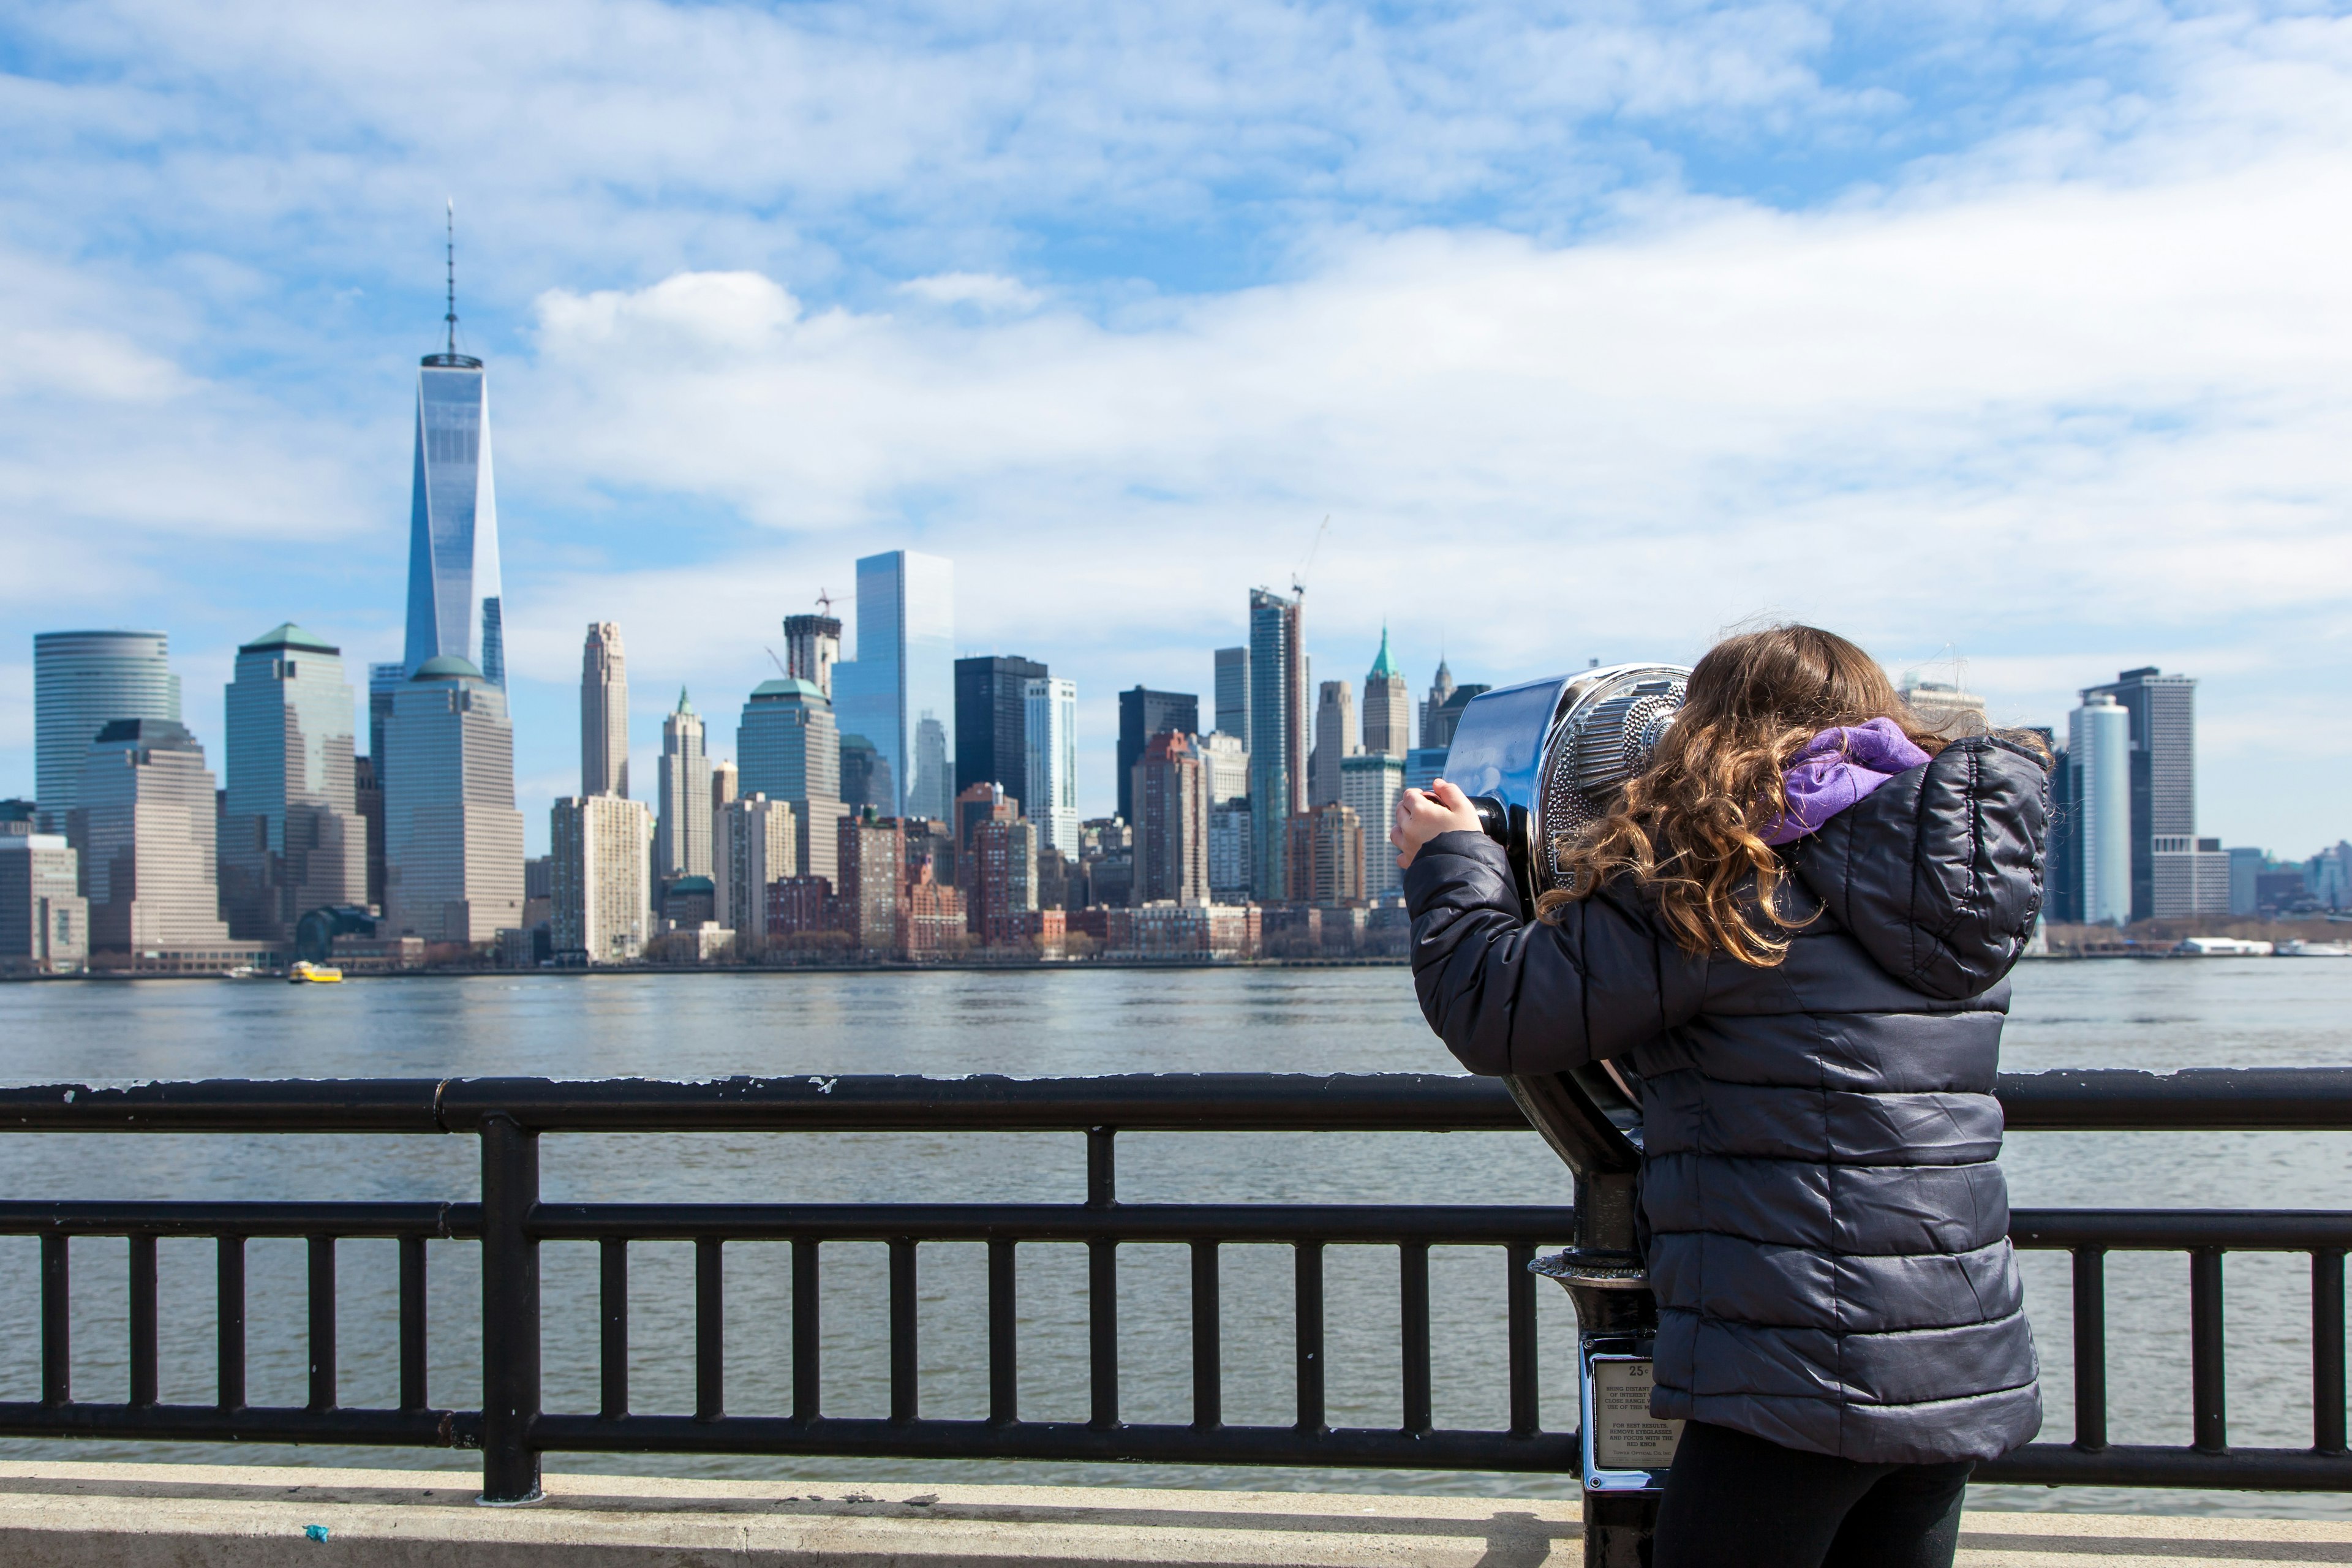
{"type": "Point", "coordinates": [903, 802]}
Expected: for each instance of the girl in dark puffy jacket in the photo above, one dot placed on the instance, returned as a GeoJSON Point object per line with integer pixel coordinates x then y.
{"type": "Point", "coordinates": [1795, 930]}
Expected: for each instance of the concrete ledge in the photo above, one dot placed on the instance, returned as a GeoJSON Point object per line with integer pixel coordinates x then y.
{"type": "Point", "coordinates": [201, 1516]}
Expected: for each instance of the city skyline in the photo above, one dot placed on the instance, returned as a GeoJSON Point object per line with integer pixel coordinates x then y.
{"type": "Point", "coordinates": [816, 640]}
{"type": "Point", "coordinates": [2124, 845]}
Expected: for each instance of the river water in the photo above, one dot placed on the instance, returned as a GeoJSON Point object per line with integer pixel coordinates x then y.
{"type": "Point", "coordinates": [2160, 1016]}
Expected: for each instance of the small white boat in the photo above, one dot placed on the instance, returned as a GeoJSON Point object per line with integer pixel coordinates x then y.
{"type": "Point", "coordinates": [2296, 947]}
{"type": "Point", "coordinates": [2221, 947]}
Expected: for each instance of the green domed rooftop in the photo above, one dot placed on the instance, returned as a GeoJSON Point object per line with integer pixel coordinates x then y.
{"type": "Point", "coordinates": [446, 667]}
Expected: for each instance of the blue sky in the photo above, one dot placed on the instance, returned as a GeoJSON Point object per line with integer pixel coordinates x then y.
{"type": "Point", "coordinates": [2010, 339]}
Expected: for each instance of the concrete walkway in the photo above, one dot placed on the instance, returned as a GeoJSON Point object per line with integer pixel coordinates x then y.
{"type": "Point", "coordinates": [200, 1516]}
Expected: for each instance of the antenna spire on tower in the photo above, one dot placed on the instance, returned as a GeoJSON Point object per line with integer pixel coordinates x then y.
{"type": "Point", "coordinates": [452, 317]}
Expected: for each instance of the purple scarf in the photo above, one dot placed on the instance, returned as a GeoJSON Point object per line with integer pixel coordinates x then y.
{"type": "Point", "coordinates": [1836, 769]}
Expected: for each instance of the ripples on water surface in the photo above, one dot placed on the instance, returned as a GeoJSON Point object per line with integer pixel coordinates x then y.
{"type": "Point", "coordinates": [2219, 1013]}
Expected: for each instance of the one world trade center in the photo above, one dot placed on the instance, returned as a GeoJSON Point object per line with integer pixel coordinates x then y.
{"type": "Point", "coordinates": [453, 530]}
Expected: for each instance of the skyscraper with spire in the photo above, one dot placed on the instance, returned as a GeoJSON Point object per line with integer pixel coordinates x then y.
{"type": "Point", "coordinates": [1440, 692]}
{"type": "Point", "coordinates": [453, 519]}
{"type": "Point", "coordinates": [682, 833]}
{"type": "Point", "coordinates": [1388, 706]}
{"type": "Point", "coordinates": [603, 712]}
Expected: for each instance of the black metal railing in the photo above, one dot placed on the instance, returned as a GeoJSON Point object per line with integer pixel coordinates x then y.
{"type": "Point", "coordinates": [509, 1221]}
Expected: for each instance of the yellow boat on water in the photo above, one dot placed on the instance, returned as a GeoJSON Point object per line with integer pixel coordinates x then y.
{"type": "Point", "coordinates": [307, 972]}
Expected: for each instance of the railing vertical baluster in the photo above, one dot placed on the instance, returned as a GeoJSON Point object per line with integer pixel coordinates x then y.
{"type": "Point", "coordinates": [905, 1392]}
{"type": "Point", "coordinates": [509, 1310]}
{"type": "Point", "coordinates": [1306, 1272]}
{"type": "Point", "coordinates": [1102, 1281]}
{"type": "Point", "coordinates": [808, 1383]}
{"type": "Point", "coordinates": [56, 1321]}
{"type": "Point", "coordinates": [710, 1328]}
{"type": "Point", "coordinates": [1520, 1295]}
{"type": "Point", "coordinates": [1413, 1292]}
{"type": "Point", "coordinates": [414, 1393]}
{"type": "Point", "coordinates": [229, 1293]}
{"type": "Point", "coordinates": [322, 1322]}
{"type": "Point", "coordinates": [613, 1307]}
{"type": "Point", "coordinates": [2207, 1380]}
{"type": "Point", "coordinates": [143, 1320]}
{"type": "Point", "coordinates": [2090, 1348]}
{"type": "Point", "coordinates": [2327, 1351]}
{"type": "Point", "coordinates": [1003, 1335]}
{"type": "Point", "coordinates": [1102, 1166]}
{"type": "Point", "coordinates": [1208, 1341]}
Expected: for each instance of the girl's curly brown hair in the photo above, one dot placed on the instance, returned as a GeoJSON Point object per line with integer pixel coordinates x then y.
{"type": "Point", "coordinates": [1691, 824]}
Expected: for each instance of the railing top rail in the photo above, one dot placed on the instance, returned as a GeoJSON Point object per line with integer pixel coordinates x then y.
{"type": "Point", "coordinates": [2255, 1099]}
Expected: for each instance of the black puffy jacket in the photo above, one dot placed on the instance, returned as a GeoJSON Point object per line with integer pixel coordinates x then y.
{"type": "Point", "coordinates": [1828, 1228]}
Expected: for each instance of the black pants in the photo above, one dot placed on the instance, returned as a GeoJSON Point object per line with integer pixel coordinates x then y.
{"type": "Point", "coordinates": [1736, 1502]}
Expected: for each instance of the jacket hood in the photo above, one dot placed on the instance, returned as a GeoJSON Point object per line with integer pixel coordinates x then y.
{"type": "Point", "coordinates": [1836, 769]}
{"type": "Point", "coordinates": [1937, 873]}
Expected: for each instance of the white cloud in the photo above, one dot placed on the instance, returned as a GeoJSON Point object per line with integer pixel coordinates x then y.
{"type": "Point", "coordinates": [1825, 402]}
{"type": "Point", "coordinates": [986, 290]}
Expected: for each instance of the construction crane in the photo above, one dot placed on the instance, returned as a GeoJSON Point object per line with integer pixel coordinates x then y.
{"type": "Point", "coordinates": [1298, 578]}
{"type": "Point", "coordinates": [777, 662]}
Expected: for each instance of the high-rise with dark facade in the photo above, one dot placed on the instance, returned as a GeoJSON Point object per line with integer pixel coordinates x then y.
{"type": "Point", "coordinates": [1277, 741]}
{"type": "Point", "coordinates": [990, 708]}
{"type": "Point", "coordinates": [1141, 715]}
{"type": "Point", "coordinates": [2163, 709]}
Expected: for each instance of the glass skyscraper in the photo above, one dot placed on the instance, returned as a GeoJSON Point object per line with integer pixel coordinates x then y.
{"type": "Point", "coordinates": [384, 682]}
{"type": "Point", "coordinates": [453, 522]}
{"type": "Point", "coordinates": [1143, 713]}
{"type": "Point", "coordinates": [2162, 709]}
{"type": "Point", "coordinates": [290, 837]}
{"type": "Point", "coordinates": [1050, 732]}
{"type": "Point", "coordinates": [83, 681]}
{"type": "Point", "coordinates": [2099, 749]}
{"type": "Point", "coordinates": [899, 692]}
{"type": "Point", "coordinates": [787, 749]}
{"type": "Point", "coordinates": [1277, 741]}
{"type": "Point", "coordinates": [992, 705]}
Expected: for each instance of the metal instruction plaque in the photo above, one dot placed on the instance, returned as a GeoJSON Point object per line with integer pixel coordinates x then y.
{"type": "Point", "coordinates": [1625, 1435]}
